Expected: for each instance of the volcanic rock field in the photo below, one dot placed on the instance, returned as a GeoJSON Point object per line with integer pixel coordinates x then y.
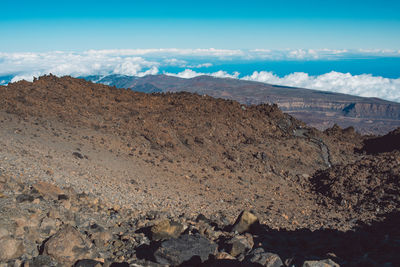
{"type": "Point", "coordinates": [92, 175]}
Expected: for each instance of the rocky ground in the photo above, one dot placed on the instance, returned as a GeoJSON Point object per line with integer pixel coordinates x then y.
{"type": "Point", "coordinates": [92, 174]}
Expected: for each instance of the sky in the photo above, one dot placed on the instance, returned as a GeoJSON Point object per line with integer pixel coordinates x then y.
{"type": "Point", "coordinates": [342, 46]}
{"type": "Point", "coordinates": [120, 24]}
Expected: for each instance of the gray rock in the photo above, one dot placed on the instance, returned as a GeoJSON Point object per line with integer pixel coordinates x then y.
{"type": "Point", "coordinates": [185, 248]}
{"type": "Point", "coordinates": [264, 258]}
{"type": "Point", "coordinates": [321, 263]}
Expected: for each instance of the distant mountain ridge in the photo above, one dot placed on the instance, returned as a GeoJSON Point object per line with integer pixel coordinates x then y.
{"type": "Point", "coordinates": [320, 109]}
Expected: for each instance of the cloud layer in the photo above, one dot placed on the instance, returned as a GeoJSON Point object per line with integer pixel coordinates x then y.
{"type": "Point", "coordinates": [189, 63]}
{"type": "Point", "coordinates": [361, 85]}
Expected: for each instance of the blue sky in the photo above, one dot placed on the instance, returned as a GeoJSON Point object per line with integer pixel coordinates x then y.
{"type": "Point", "coordinates": [82, 25]}
{"type": "Point", "coordinates": [342, 46]}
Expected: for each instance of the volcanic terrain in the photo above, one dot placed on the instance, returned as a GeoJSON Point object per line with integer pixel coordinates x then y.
{"type": "Point", "coordinates": [127, 161]}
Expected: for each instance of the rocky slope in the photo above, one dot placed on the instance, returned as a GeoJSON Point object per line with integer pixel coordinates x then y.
{"type": "Point", "coordinates": [92, 175]}
{"type": "Point", "coordinates": [317, 108]}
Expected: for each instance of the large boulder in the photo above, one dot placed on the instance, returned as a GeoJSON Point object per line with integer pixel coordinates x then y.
{"type": "Point", "coordinates": [67, 246]}
{"type": "Point", "coordinates": [245, 222]}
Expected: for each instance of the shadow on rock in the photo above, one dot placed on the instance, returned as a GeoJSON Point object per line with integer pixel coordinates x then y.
{"type": "Point", "coordinates": [372, 244]}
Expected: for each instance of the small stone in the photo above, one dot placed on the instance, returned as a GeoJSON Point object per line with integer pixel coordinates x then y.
{"type": "Point", "coordinates": [224, 256]}
{"type": "Point", "coordinates": [321, 263]}
{"type": "Point", "coordinates": [166, 229]}
{"type": "Point", "coordinates": [17, 263]}
{"type": "Point", "coordinates": [77, 155]}
{"type": "Point", "coordinates": [3, 232]}
{"type": "Point", "coordinates": [47, 225]}
{"type": "Point", "coordinates": [67, 204]}
{"type": "Point", "coordinates": [10, 248]}
{"type": "Point", "coordinates": [245, 222]}
{"type": "Point", "coordinates": [101, 238]}
{"type": "Point", "coordinates": [54, 214]}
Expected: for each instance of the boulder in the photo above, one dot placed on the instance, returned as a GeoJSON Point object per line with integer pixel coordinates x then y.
{"type": "Point", "coordinates": [240, 245]}
{"type": "Point", "coordinates": [48, 190]}
{"type": "Point", "coordinates": [67, 246]}
{"type": "Point", "coordinates": [245, 222]}
{"type": "Point", "coordinates": [186, 248]}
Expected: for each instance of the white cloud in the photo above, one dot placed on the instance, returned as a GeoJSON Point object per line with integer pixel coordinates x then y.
{"type": "Point", "coordinates": [140, 62]}
{"type": "Point", "coordinates": [175, 62]}
{"type": "Point", "coordinates": [362, 85]}
{"type": "Point", "coordinates": [166, 51]}
{"type": "Point", "coordinates": [188, 73]}
{"type": "Point", "coordinates": [203, 65]}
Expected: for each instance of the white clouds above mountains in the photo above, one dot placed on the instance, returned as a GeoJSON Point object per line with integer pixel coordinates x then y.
{"type": "Point", "coordinates": [361, 85]}
{"type": "Point", "coordinates": [188, 73]}
{"type": "Point", "coordinates": [193, 62]}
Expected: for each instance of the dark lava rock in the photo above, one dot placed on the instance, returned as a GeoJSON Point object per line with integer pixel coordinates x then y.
{"type": "Point", "coordinates": [77, 155]}
{"type": "Point", "coordinates": [185, 249]}
{"type": "Point", "coordinates": [24, 197]}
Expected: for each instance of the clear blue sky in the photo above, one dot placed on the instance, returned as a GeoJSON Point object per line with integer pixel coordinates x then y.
{"type": "Point", "coordinates": [98, 24]}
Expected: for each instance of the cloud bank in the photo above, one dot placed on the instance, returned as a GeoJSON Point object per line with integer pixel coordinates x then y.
{"type": "Point", "coordinates": [361, 85]}
{"type": "Point", "coordinates": [189, 63]}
